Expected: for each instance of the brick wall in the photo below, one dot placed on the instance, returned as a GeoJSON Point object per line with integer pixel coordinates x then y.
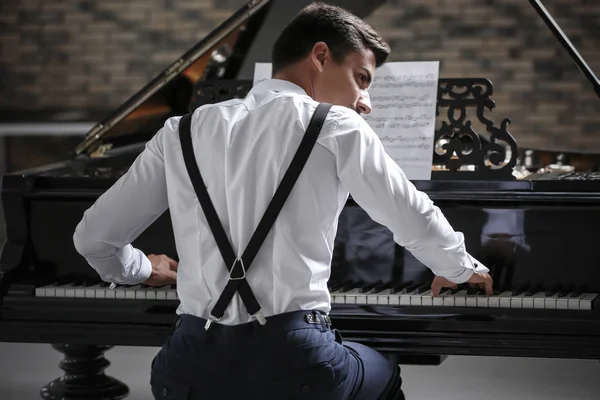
{"type": "Point", "coordinates": [95, 54]}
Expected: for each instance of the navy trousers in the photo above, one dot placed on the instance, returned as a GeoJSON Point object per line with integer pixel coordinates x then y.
{"type": "Point", "coordinates": [289, 358]}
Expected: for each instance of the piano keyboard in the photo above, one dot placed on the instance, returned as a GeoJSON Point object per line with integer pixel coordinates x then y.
{"type": "Point", "coordinates": [404, 294]}
{"type": "Point", "coordinates": [102, 290]}
{"type": "Point", "coordinates": [420, 295]}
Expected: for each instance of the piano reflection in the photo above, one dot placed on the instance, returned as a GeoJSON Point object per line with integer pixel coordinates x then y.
{"type": "Point", "coordinates": [535, 228]}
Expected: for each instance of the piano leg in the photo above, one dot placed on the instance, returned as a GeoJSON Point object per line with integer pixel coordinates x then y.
{"type": "Point", "coordinates": [84, 376]}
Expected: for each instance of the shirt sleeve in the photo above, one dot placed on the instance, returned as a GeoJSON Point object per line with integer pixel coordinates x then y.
{"type": "Point", "coordinates": [380, 187]}
{"type": "Point", "coordinates": [104, 235]}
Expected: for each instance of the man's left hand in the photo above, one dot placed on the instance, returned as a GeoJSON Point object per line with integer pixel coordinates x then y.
{"type": "Point", "coordinates": [164, 271]}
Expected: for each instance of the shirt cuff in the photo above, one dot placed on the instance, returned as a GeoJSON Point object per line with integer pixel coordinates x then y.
{"type": "Point", "coordinates": [145, 268]}
{"type": "Point", "coordinates": [471, 265]}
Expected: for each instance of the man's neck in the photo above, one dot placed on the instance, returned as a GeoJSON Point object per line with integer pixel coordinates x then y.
{"type": "Point", "coordinates": [294, 75]}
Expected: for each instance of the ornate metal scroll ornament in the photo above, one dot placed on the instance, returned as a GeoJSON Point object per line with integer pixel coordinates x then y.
{"type": "Point", "coordinates": [462, 151]}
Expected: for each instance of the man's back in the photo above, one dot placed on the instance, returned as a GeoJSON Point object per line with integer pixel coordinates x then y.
{"type": "Point", "coordinates": [243, 148]}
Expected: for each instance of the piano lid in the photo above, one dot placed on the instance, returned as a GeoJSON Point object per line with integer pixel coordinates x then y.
{"type": "Point", "coordinates": [217, 56]}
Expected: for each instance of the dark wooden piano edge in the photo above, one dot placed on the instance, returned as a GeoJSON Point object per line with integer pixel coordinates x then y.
{"type": "Point", "coordinates": [406, 339]}
{"type": "Point", "coordinates": [404, 345]}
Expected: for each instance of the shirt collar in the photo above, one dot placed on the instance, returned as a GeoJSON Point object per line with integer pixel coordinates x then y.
{"type": "Point", "coordinates": [277, 85]}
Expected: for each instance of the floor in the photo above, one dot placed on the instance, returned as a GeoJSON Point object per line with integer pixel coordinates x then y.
{"type": "Point", "coordinates": [24, 368]}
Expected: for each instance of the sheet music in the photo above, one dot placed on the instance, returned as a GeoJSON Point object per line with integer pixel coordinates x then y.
{"type": "Point", "coordinates": [403, 98]}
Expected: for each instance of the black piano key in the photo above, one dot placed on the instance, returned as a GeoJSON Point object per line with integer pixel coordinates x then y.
{"type": "Point", "coordinates": [380, 288]}
{"type": "Point", "coordinates": [472, 290]}
{"type": "Point", "coordinates": [553, 291]}
{"type": "Point", "coordinates": [78, 281]}
{"type": "Point", "coordinates": [533, 290]}
{"type": "Point", "coordinates": [519, 290]}
{"type": "Point", "coordinates": [348, 286]}
{"type": "Point", "coordinates": [423, 289]}
{"type": "Point", "coordinates": [65, 279]}
{"type": "Point", "coordinates": [411, 288]}
{"type": "Point", "coordinates": [458, 288]}
{"type": "Point", "coordinates": [565, 291]}
{"type": "Point", "coordinates": [91, 281]}
{"type": "Point", "coordinates": [400, 286]}
{"type": "Point", "coordinates": [367, 288]}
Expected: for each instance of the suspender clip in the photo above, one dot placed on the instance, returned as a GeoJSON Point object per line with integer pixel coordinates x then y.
{"type": "Point", "coordinates": [210, 321]}
{"type": "Point", "coordinates": [260, 317]}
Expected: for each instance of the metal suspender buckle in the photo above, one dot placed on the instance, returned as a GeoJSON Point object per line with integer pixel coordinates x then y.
{"type": "Point", "coordinates": [260, 317]}
{"type": "Point", "coordinates": [210, 321]}
{"type": "Point", "coordinates": [241, 264]}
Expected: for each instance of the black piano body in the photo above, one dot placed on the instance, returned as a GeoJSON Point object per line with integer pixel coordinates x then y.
{"type": "Point", "coordinates": [536, 234]}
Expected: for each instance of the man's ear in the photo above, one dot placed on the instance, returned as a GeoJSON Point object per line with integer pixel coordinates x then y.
{"type": "Point", "coordinates": [319, 54]}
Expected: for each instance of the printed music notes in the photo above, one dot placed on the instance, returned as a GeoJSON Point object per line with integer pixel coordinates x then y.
{"type": "Point", "coordinates": [404, 98]}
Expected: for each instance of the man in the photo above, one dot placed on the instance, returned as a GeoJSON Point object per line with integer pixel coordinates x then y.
{"type": "Point", "coordinates": [286, 349]}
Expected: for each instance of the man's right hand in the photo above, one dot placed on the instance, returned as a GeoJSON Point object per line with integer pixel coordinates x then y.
{"type": "Point", "coordinates": [164, 271]}
{"type": "Point", "coordinates": [481, 279]}
{"type": "Point", "coordinates": [484, 281]}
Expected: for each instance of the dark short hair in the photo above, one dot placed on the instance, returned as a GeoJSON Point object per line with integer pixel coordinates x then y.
{"type": "Point", "coordinates": [343, 32]}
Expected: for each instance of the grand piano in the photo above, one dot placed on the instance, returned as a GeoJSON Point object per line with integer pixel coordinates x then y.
{"type": "Point", "coordinates": [534, 227]}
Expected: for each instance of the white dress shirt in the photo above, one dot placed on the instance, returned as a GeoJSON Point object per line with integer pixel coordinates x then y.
{"type": "Point", "coordinates": [243, 148]}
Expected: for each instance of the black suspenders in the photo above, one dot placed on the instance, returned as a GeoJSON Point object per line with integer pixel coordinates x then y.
{"type": "Point", "coordinates": [238, 266]}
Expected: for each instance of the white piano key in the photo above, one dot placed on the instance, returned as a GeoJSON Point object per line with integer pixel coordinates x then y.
{"type": "Point", "coordinates": [449, 300]}
{"type": "Point", "coordinates": [361, 298]}
{"type": "Point", "coordinates": [90, 291]}
{"type": "Point", "coordinates": [563, 302]}
{"type": "Point", "coordinates": [517, 301]}
{"type": "Point", "coordinates": [471, 300]}
{"type": "Point", "coordinates": [130, 292]}
{"type": "Point", "coordinates": [349, 296]}
{"type": "Point", "coordinates": [504, 299]}
{"type": "Point", "coordinates": [482, 301]}
{"type": "Point", "coordinates": [140, 294]}
{"type": "Point", "coordinates": [100, 291]}
{"type": "Point", "coordinates": [427, 299]}
{"type": "Point", "coordinates": [161, 293]}
{"type": "Point", "coordinates": [120, 292]}
{"type": "Point", "coordinates": [110, 293]}
{"type": "Point", "coordinates": [573, 302]}
{"type": "Point", "coordinates": [550, 302]}
{"type": "Point", "coordinates": [539, 302]}
{"type": "Point", "coordinates": [338, 296]}
{"type": "Point", "coordinates": [394, 299]}
{"type": "Point", "coordinates": [372, 298]}
{"type": "Point", "coordinates": [383, 297]}
{"type": "Point", "coordinates": [60, 291]}
{"type": "Point", "coordinates": [439, 299]}
{"type": "Point", "coordinates": [172, 294]}
{"type": "Point", "coordinates": [460, 298]}
{"type": "Point", "coordinates": [80, 291]}
{"type": "Point", "coordinates": [586, 302]}
{"type": "Point", "coordinates": [70, 291]}
{"type": "Point", "coordinates": [41, 291]}
{"type": "Point", "coordinates": [528, 302]}
{"type": "Point", "coordinates": [151, 294]}
{"type": "Point", "coordinates": [405, 298]}
{"type": "Point", "coordinates": [417, 300]}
